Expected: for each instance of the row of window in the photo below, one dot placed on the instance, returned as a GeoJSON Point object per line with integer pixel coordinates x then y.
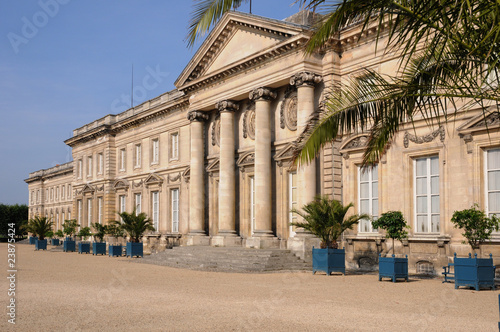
{"type": "Point", "coordinates": [92, 216]}
{"type": "Point", "coordinates": [122, 157]}
{"type": "Point", "coordinates": [426, 196]}
{"type": "Point", "coordinates": [53, 194]}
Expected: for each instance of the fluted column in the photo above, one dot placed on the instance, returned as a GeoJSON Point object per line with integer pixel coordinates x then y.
{"type": "Point", "coordinates": [197, 169]}
{"type": "Point", "coordinates": [227, 168]}
{"type": "Point", "coordinates": [306, 174]}
{"type": "Point", "coordinates": [263, 170]}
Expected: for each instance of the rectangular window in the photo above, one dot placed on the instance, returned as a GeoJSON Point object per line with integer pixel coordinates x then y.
{"type": "Point", "coordinates": [99, 210]}
{"type": "Point", "coordinates": [69, 191]}
{"type": "Point", "coordinates": [155, 198]}
{"type": "Point", "coordinates": [89, 212]}
{"type": "Point", "coordinates": [80, 168]}
{"type": "Point", "coordinates": [155, 151]}
{"type": "Point", "coordinates": [63, 189]}
{"type": "Point", "coordinates": [175, 210]}
{"type": "Point", "coordinates": [80, 207]}
{"type": "Point", "coordinates": [100, 163]}
{"type": "Point", "coordinates": [122, 159]}
{"type": "Point", "coordinates": [47, 195]}
{"type": "Point", "coordinates": [368, 196]}
{"type": "Point", "coordinates": [492, 179]}
{"type": "Point", "coordinates": [137, 155]}
{"type": "Point", "coordinates": [57, 192]}
{"type": "Point", "coordinates": [426, 190]}
{"type": "Point", "coordinates": [174, 146]}
{"type": "Point", "coordinates": [63, 216]}
{"type": "Point", "coordinates": [51, 194]}
{"type": "Point", "coordinates": [292, 200]}
{"type": "Point", "coordinates": [38, 196]}
{"type": "Point", "coordinates": [122, 204]}
{"type": "Point", "coordinates": [252, 204]}
{"type": "Point", "coordinates": [89, 166]}
{"type": "Point", "coordinates": [138, 203]}
{"type": "Point", "coordinates": [57, 220]}
{"type": "Point", "coordinates": [32, 197]}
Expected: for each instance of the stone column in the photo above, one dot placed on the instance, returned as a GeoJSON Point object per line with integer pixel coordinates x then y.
{"type": "Point", "coordinates": [263, 234]}
{"type": "Point", "coordinates": [197, 235]}
{"type": "Point", "coordinates": [227, 173]}
{"type": "Point", "coordinates": [303, 241]}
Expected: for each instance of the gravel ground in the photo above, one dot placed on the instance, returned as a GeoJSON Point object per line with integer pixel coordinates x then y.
{"type": "Point", "coordinates": [58, 291]}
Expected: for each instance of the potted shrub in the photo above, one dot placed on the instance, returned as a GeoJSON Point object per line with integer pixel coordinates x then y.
{"type": "Point", "coordinates": [395, 226]}
{"type": "Point", "coordinates": [51, 235]}
{"type": "Point", "coordinates": [326, 219]}
{"type": "Point", "coordinates": [40, 226]}
{"type": "Point", "coordinates": [135, 225]}
{"type": "Point", "coordinates": [69, 229]}
{"type": "Point", "coordinates": [477, 228]}
{"type": "Point", "coordinates": [59, 234]}
{"type": "Point", "coordinates": [99, 246]}
{"type": "Point", "coordinates": [115, 249]}
{"type": "Point", "coordinates": [84, 245]}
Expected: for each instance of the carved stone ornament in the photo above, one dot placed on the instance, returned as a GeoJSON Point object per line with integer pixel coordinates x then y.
{"type": "Point", "coordinates": [227, 106]}
{"type": "Point", "coordinates": [424, 139]}
{"type": "Point", "coordinates": [197, 116]}
{"type": "Point", "coordinates": [216, 131]}
{"type": "Point", "coordinates": [262, 94]}
{"type": "Point", "coordinates": [249, 121]}
{"type": "Point", "coordinates": [490, 120]}
{"type": "Point", "coordinates": [305, 78]}
{"type": "Point", "coordinates": [358, 142]}
{"type": "Point", "coordinates": [174, 178]}
{"type": "Point", "coordinates": [288, 110]}
{"type": "Point", "coordinates": [138, 184]}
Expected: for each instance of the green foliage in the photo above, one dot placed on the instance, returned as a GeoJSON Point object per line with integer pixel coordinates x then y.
{"type": "Point", "coordinates": [101, 231]}
{"type": "Point", "coordinates": [59, 233]}
{"type": "Point", "coordinates": [50, 234]}
{"type": "Point", "coordinates": [13, 214]}
{"type": "Point", "coordinates": [69, 227]}
{"type": "Point", "coordinates": [39, 226]}
{"type": "Point", "coordinates": [394, 224]}
{"type": "Point", "coordinates": [115, 230]}
{"type": "Point", "coordinates": [326, 219]}
{"type": "Point", "coordinates": [135, 225]}
{"type": "Point", "coordinates": [476, 225]}
{"type": "Point", "coordinates": [84, 233]}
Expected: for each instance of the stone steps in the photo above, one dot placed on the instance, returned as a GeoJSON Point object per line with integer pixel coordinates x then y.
{"type": "Point", "coordinates": [228, 259]}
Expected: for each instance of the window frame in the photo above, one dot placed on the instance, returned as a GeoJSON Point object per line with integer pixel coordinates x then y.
{"type": "Point", "coordinates": [174, 146]}
{"type": "Point", "coordinates": [371, 197]}
{"type": "Point", "coordinates": [428, 195]}
{"type": "Point", "coordinates": [175, 202]}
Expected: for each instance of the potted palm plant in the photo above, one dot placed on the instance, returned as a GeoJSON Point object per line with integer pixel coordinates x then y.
{"type": "Point", "coordinates": [84, 245]}
{"type": "Point", "coordinates": [327, 219]}
{"type": "Point", "coordinates": [98, 246]}
{"type": "Point", "coordinates": [69, 229]}
{"type": "Point", "coordinates": [115, 231]}
{"type": "Point", "coordinates": [395, 226]}
{"type": "Point", "coordinates": [40, 226]}
{"type": "Point", "coordinates": [135, 225]}
{"type": "Point", "coordinates": [473, 271]}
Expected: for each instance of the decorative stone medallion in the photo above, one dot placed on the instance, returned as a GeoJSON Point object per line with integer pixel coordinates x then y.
{"type": "Point", "coordinates": [216, 131]}
{"type": "Point", "coordinates": [288, 110]}
{"type": "Point", "coordinates": [249, 121]}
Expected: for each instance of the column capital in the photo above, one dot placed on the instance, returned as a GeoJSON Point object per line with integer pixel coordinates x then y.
{"type": "Point", "coordinates": [197, 116]}
{"type": "Point", "coordinates": [227, 106]}
{"type": "Point", "coordinates": [305, 78]}
{"type": "Point", "coordinates": [262, 93]}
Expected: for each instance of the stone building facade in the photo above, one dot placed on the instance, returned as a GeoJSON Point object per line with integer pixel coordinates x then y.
{"type": "Point", "coordinates": [210, 162]}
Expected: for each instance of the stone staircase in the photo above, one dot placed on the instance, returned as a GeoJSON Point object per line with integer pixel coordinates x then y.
{"type": "Point", "coordinates": [234, 259]}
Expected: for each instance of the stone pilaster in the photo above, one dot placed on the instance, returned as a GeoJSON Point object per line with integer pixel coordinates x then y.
{"type": "Point", "coordinates": [263, 234]}
{"type": "Point", "coordinates": [197, 234]}
{"type": "Point", "coordinates": [227, 173]}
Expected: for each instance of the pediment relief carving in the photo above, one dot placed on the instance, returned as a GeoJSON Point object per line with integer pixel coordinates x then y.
{"type": "Point", "coordinates": [245, 160]}
{"type": "Point", "coordinates": [121, 184]}
{"type": "Point", "coordinates": [213, 166]}
{"type": "Point", "coordinates": [187, 174]}
{"type": "Point", "coordinates": [482, 122]}
{"type": "Point", "coordinates": [354, 143]}
{"type": "Point", "coordinates": [87, 189]}
{"type": "Point", "coordinates": [284, 157]}
{"type": "Point", "coordinates": [154, 179]}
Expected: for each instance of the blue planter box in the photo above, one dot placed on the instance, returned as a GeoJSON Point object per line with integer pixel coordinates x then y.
{"type": "Point", "coordinates": [328, 260]}
{"type": "Point", "coordinates": [135, 249]}
{"type": "Point", "coordinates": [99, 248]}
{"type": "Point", "coordinates": [115, 250]}
{"type": "Point", "coordinates": [83, 247]}
{"type": "Point", "coordinates": [41, 244]}
{"type": "Point", "coordinates": [54, 242]}
{"type": "Point", "coordinates": [69, 245]}
{"type": "Point", "coordinates": [33, 239]}
{"type": "Point", "coordinates": [474, 272]}
{"type": "Point", "coordinates": [392, 267]}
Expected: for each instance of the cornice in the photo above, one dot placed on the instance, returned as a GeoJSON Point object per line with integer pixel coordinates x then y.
{"type": "Point", "coordinates": [48, 173]}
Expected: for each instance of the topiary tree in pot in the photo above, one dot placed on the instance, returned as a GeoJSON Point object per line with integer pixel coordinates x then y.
{"type": "Point", "coordinates": [84, 246]}
{"type": "Point", "coordinates": [135, 225]}
{"type": "Point", "coordinates": [99, 247]}
{"type": "Point", "coordinates": [57, 235]}
{"type": "Point", "coordinates": [40, 226]}
{"type": "Point", "coordinates": [326, 219]}
{"type": "Point", "coordinates": [114, 230]}
{"type": "Point", "coordinates": [477, 228]}
{"type": "Point", "coordinates": [395, 226]}
{"type": "Point", "coordinates": [69, 229]}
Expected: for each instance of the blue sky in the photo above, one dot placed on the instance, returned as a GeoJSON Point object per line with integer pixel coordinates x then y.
{"type": "Point", "coordinates": [65, 63]}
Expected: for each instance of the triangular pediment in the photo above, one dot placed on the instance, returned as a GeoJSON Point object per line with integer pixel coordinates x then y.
{"type": "Point", "coordinates": [88, 189]}
{"type": "Point", "coordinates": [284, 156]}
{"type": "Point", "coordinates": [354, 143]}
{"type": "Point", "coordinates": [246, 159]}
{"type": "Point", "coordinates": [213, 166]}
{"type": "Point", "coordinates": [121, 184]}
{"type": "Point", "coordinates": [153, 178]}
{"type": "Point", "coordinates": [237, 37]}
{"type": "Point", "coordinates": [483, 121]}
